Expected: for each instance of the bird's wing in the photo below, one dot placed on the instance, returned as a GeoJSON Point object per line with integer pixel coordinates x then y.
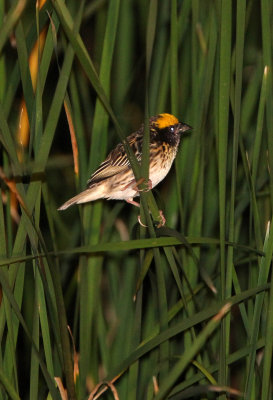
{"type": "Point", "coordinates": [117, 160]}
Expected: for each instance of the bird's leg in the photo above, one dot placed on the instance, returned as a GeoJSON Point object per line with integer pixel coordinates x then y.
{"type": "Point", "coordinates": [135, 185]}
{"type": "Point", "coordinates": [139, 182]}
{"type": "Point", "coordinates": [131, 201]}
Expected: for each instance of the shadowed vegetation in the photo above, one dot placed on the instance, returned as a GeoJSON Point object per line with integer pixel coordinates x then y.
{"type": "Point", "coordinates": [181, 311]}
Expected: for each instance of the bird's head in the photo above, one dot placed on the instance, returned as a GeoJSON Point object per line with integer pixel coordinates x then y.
{"type": "Point", "coordinates": [168, 126]}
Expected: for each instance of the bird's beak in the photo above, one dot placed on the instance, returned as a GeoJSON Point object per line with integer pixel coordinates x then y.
{"type": "Point", "coordinates": [184, 128]}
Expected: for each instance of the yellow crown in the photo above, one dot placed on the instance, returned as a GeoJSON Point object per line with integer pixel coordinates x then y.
{"type": "Point", "coordinates": [165, 120]}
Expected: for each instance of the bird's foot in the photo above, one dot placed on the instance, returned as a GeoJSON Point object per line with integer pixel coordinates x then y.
{"type": "Point", "coordinates": [162, 220]}
{"type": "Point", "coordinates": [141, 223]}
{"type": "Point", "coordinates": [148, 185]}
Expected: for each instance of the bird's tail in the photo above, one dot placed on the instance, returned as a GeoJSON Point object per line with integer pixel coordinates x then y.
{"type": "Point", "coordinates": [87, 195]}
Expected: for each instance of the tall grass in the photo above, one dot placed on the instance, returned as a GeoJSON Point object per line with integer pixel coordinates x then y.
{"type": "Point", "coordinates": [93, 305]}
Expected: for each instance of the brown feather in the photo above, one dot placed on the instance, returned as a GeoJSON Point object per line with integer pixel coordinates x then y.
{"type": "Point", "coordinates": [117, 160]}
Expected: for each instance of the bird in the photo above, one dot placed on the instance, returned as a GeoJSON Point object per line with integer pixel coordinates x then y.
{"type": "Point", "coordinates": [114, 178]}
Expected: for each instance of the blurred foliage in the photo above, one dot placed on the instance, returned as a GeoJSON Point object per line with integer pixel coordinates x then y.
{"type": "Point", "coordinates": [182, 311]}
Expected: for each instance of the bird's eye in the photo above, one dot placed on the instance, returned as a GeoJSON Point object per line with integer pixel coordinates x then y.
{"type": "Point", "coordinates": [172, 129]}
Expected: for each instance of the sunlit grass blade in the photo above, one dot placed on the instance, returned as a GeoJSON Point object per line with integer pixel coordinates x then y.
{"type": "Point", "coordinates": [91, 269]}
{"type": "Point", "coordinates": [263, 276]}
{"type": "Point", "coordinates": [267, 58]}
{"type": "Point", "coordinates": [224, 91]}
